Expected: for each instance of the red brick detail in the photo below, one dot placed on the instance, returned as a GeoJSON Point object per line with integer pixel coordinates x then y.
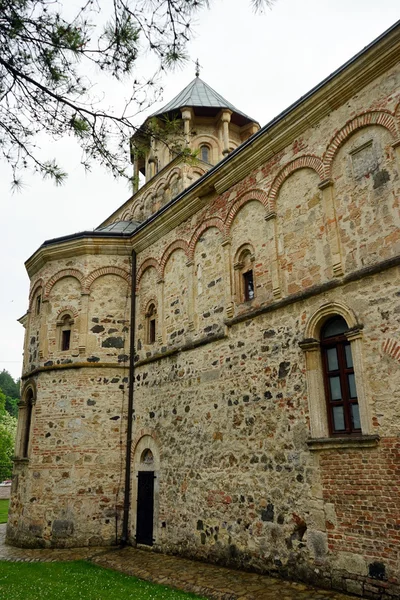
{"type": "Point", "coordinates": [385, 119]}
{"type": "Point", "coordinates": [36, 286]}
{"type": "Point", "coordinates": [147, 264]}
{"type": "Point", "coordinates": [207, 224]}
{"type": "Point", "coordinates": [240, 201]}
{"type": "Point", "coordinates": [364, 487]}
{"type": "Point", "coordinates": [176, 245]}
{"type": "Point", "coordinates": [63, 273]}
{"type": "Point", "coordinates": [105, 271]}
{"type": "Point", "coordinates": [68, 309]}
{"type": "Point", "coordinates": [308, 161]}
{"type": "Point", "coordinates": [141, 434]}
{"type": "Point", "coordinates": [392, 348]}
{"type": "Point", "coordinates": [397, 115]}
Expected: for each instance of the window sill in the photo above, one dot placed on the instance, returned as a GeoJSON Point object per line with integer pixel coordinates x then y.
{"type": "Point", "coordinates": [19, 460]}
{"type": "Point", "coordinates": [338, 443]}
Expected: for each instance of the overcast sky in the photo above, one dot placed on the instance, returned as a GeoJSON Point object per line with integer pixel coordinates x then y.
{"type": "Point", "coordinates": [260, 63]}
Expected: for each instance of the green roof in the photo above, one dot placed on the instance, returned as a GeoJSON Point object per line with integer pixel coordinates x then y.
{"type": "Point", "coordinates": [206, 102]}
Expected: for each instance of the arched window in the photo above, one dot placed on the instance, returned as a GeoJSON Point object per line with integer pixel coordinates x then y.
{"type": "Point", "coordinates": [339, 378]}
{"type": "Point", "coordinates": [336, 386]}
{"type": "Point", "coordinates": [25, 418]}
{"type": "Point", "coordinates": [151, 324]}
{"type": "Point", "coordinates": [245, 284]}
{"type": "Point", "coordinates": [64, 325]}
{"type": "Point", "coordinates": [205, 153]}
{"type": "Point", "coordinates": [38, 304]}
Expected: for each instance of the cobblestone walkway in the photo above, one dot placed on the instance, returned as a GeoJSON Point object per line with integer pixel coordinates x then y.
{"type": "Point", "coordinates": [208, 580]}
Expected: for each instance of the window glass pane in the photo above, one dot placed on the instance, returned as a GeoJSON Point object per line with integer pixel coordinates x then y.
{"type": "Point", "coordinates": [355, 416]}
{"type": "Point", "coordinates": [352, 385]}
{"type": "Point", "coordinates": [334, 326]}
{"type": "Point", "coordinates": [248, 285]}
{"type": "Point", "coordinates": [349, 358]}
{"type": "Point", "coordinates": [332, 357]}
{"type": "Point", "coordinates": [204, 153]}
{"type": "Point", "coordinates": [338, 418]}
{"type": "Point", "coordinates": [336, 391]}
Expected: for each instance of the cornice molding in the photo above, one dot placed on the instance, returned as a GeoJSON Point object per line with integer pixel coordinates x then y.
{"type": "Point", "coordinates": [77, 247]}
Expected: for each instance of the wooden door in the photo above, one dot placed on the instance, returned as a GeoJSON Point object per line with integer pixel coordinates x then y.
{"type": "Point", "coordinates": [145, 508]}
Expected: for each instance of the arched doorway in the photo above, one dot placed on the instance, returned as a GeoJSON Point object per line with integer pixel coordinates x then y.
{"type": "Point", "coordinates": [145, 491]}
{"type": "Point", "coordinates": [145, 500]}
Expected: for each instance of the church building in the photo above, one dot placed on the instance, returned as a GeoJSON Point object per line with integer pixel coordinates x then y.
{"type": "Point", "coordinates": [214, 371]}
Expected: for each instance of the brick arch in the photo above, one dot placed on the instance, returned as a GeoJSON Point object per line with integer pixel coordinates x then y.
{"type": "Point", "coordinates": [60, 275]}
{"type": "Point", "coordinates": [147, 264]}
{"type": "Point", "coordinates": [175, 171]}
{"type": "Point", "coordinates": [396, 113]}
{"type": "Point", "coordinates": [126, 215]}
{"type": "Point", "coordinates": [176, 245]}
{"type": "Point", "coordinates": [391, 347]}
{"type": "Point", "coordinates": [137, 210]}
{"type": "Point", "coordinates": [163, 184]}
{"type": "Point", "coordinates": [29, 384]}
{"type": "Point", "coordinates": [146, 432]}
{"type": "Point", "coordinates": [36, 286]}
{"type": "Point", "coordinates": [68, 309]}
{"type": "Point", "coordinates": [255, 194]}
{"type": "Point", "coordinates": [324, 312]}
{"type": "Point", "coordinates": [308, 161]}
{"type": "Point", "coordinates": [384, 119]}
{"type": "Point", "coordinates": [196, 171]}
{"type": "Point", "coordinates": [207, 224]}
{"type": "Point", "coordinates": [105, 271]}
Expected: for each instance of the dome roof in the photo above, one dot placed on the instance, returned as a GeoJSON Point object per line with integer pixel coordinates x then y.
{"type": "Point", "coordinates": [205, 101]}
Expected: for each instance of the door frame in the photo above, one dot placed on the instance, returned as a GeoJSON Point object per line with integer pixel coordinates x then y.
{"type": "Point", "coordinates": [144, 444]}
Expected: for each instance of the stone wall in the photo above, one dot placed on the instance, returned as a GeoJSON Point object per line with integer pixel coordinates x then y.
{"type": "Point", "coordinates": [229, 396]}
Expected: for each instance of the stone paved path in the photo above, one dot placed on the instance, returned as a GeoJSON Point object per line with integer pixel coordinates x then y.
{"type": "Point", "coordinates": [208, 580]}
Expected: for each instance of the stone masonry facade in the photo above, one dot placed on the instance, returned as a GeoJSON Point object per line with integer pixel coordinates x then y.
{"type": "Point", "coordinates": [235, 280]}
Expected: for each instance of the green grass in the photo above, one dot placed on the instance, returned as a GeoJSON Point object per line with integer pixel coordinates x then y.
{"type": "Point", "coordinates": [3, 510]}
{"type": "Point", "coordinates": [78, 580]}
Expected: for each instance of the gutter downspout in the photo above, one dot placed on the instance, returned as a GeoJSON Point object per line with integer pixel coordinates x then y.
{"type": "Point", "coordinates": [124, 538]}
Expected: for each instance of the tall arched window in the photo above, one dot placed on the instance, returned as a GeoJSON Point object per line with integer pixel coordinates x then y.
{"type": "Point", "coordinates": [245, 284]}
{"type": "Point", "coordinates": [205, 153]}
{"type": "Point", "coordinates": [339, 379]}
{"type": "Point", "coordinates": [151, 324]}
{"type": "Point", "coordinates": [64, 325]}
{"type": "Point", "coordinates": [25, 426]}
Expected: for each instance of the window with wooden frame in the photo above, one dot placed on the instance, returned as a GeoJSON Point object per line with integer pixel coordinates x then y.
{"type": "Point", "coordinates": [339, 378]}
{"type": "Point", "coordinates": [151, 323]}
{"type": "Point", "coordinates": [245, 283]}
{"type": "Point", "coordinates": [64, 325]}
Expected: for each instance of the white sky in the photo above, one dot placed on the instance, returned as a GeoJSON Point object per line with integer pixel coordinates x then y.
{"type": "Point", "coordinates": [260, 63]}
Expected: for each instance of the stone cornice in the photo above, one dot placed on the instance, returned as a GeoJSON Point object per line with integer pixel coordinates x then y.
{"type": "Point", "coordinates": [77, 247]}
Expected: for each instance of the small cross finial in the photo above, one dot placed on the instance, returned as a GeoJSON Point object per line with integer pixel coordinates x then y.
{"type": "Point", "coordinates": [197, 68]}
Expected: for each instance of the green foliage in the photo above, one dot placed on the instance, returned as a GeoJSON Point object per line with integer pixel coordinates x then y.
{"type": "Point", "coordinates": [11, 391]}
{"type": "Point", "coordinates": [8, 426]}
{"type": "Point", "coordinates": [3, 512]}
{"type": "Point", "coordinates": [78, 579]}
{"type": "Point", "coordinates": [8, 430]}
{"type": "Point", "coordinates": [8, 386]}
{"type": "Point", "coordinates": [44, 60]}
